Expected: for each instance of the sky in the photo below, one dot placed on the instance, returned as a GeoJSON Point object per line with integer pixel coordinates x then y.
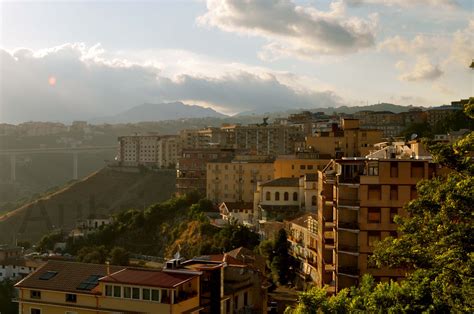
{"type": "Point", "coordinates": [70, 60]}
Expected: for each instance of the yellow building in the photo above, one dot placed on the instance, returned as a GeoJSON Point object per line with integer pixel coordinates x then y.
{"type": "Point", "coordinates": [348, 141]}
{"type": "Point", "coordinates": [236, 180]}
{"type": "Point", "coordinates": [357, 204]}
{"type": "Point", "coordinates": [67, 287]}
{"type": "Point", "coordinates": [295, 166]}
{"type": "Point", "coordinates": [302, 236]}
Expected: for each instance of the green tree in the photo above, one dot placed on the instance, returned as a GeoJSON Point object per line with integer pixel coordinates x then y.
{"type": "Point", "coordinates": [7, 293]}
{"type": "Point", "coordinates": [282, 263]}
{"type": "Point", "coordinates": [119, 256]}
{"type": "Point", "coordinates": [92, 254]}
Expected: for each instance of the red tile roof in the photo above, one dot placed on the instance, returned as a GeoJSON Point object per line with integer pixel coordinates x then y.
{"type": "Point", "coordinates": [69, 276]}
{"type": "Point", "coordinates": [150, 278]}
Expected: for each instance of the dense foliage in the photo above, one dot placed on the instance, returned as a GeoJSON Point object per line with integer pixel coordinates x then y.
{"type": "Point", "coordinates": [436, 246]}
{"type": "Point", "coordinates": [7, 293]}
{"type": "Point", "coordinates": [178, 224]}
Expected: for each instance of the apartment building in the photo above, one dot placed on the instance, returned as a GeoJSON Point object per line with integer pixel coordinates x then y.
{"type": "Point", "coordinates": [392, 124]}
{"type": "Point", "coordinates": [359, 198]}
{"type": "Point", "coordinates": [231, 283]}
{"type": "Point", "coordinates": [69, 287]}
{"type": "Point", "coordinates": [257, 139]}
{"type": "Point", "coordinates": [348, 141]}
{"type": "Point", "coordinates": [302, 236]}
{"type": "Point", "coordinates": [236, 180]}
{"type": "Point", "coordinates": [159, 151]}
{"type": "Point", "coordinates": [191, 173]}
{"type": "Point", "coordinates": [438, 114]}
{"type": "Point", "coordinates": [298, 164]}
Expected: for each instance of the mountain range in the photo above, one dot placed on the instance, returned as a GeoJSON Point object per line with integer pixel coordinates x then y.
{"type": "Point", "coordinates": [160, 112]}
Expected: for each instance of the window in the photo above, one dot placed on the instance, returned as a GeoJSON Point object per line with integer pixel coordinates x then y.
{"type": "Point", "coordinates": [373, 169]}
{"type": "Point", "coordinates": [393, 213]}
{"type": "Point", "coordinates": [393, 169]}
{"type": "Point", "coordinates": [71, 297]}
{"type": "Point", "coordinates": [373, 215]}
{"type": "Point", "coordinates": [295, 196]}
{"type": "Point", "coordinates": [302, 167]}
{"type": "Point", "coordinates": [146, 294]}
{"type": "Point", "coordinates": [246, 298]}
{"type": "Point", "coordinates": [164, 297]}
{"type": "Point", "coordinates": [155, 295]}
{"type": "Point", "coordinates": [108, 290]}
{"type": "Point", "coordinates": [374, 192]}
{"type": "Point", "coordinates": [313, 200]}
{"type": "Point", "coordinates": [35, 294]}
{"type": "Point", "coordinates": [35, 311]}
{"type": "Point", "coordinates": [127, 292]}
{"type": "Point", "coordinates": [417, 169]}
{"type": "Point", "coordinates": [373, 237]}
{"type": "Point", "coordinates": [310, 167]}
{"type": "Point", "coordinates": [286, 196]}
{"type": "Point", "coordinates": [117, 291]}
{"type": "Point", "coordinates": [277, 196]}
{"type": "Point", "coordinates": [268, 196]}
{"type": "Point", "coordinates": [394, 192]}
{"type": "Point", "coordinates": [136, 293]}
{"type": "Point", "coordinates": [236, 302]}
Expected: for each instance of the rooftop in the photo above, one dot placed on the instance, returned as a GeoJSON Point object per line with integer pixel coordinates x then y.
{"type": "Point", "coordinates": [293, 182]}
{"type": "Point", "coordinates": [149, 278]}
{"type": "Point", "coordinates": [66, 276]}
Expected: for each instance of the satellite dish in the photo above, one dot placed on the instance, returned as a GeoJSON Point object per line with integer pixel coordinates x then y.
{"type": "Point", "coordinates": [413, 136]}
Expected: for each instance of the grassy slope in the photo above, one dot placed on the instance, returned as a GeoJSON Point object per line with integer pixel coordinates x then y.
{"type": "Point", "coordinates": [103, 192]}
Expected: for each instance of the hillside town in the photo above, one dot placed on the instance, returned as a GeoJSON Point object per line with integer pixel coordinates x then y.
{"type": "Point", "coordinates": [320, 191]}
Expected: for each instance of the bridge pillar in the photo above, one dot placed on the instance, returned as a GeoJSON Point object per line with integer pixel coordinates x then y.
{"type": "Point", "coordinates": [74, 166]}
{"type": "Point", "coordinates": [13, 167]}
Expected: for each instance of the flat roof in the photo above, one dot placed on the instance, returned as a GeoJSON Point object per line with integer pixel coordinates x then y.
{"type": "Point", "coordinates": [149, 278]}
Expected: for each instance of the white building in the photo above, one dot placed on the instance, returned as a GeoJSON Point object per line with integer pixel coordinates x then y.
{"type": "Point", "coordinates": [160, 151]}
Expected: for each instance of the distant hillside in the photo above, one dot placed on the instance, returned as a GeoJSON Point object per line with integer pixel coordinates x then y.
{"type": "Point", "coordinates": [104, 192]}
{"type": "Point", "coordinates": [160, 112]}
{"type": "Point", "coordinates": [330, 110]}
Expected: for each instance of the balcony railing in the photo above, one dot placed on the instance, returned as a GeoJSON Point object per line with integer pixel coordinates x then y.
{"type": "Point", "coordinates": [348, 248]}
{"type": "Point", "coordinates": [348, 202]}
{"type": "Point", "coordinates": [348, 270]}
{"type": "Point", "coordinates": [348, 179]}
{"type": "Point", "coordinates": [348, 225]}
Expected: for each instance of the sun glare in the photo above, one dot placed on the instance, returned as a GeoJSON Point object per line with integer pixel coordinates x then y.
{"type": "Point", "coordinates": [52, 81]}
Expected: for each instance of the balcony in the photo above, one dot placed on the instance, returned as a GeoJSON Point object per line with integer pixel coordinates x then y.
{"type": "Point", "coordinates": [348, 204]}
{"type": "Point", "coordinates": [348, 180]}
{"type": "Point", "coordinates": [350, 271]}
{"type": "Point", "coordinates": [351, 249]}
{"type": "Point", "coordinates": [329, 267]}
{"type": "Point", "coordinates": [350, 226]}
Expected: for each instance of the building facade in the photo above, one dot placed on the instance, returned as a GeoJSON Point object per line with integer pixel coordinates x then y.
{"type": "Point", "coordinates": [159, 151]}
{"type": "Point", "coordinates": [348, 141]}
{"type": "Point", "coordinates": [236, 180]}
{"type": "Point", "coordinates": [191, 173]}
{"type": "Point", "coordinates": [357, 204]}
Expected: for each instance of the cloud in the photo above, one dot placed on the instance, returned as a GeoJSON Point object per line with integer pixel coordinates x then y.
{"type": "Point", "coordinates": [422, 71]}
{"type": "Point", "coordinates": [462, 48]}
{"type": "Point", "coordinates": [292, 29]}
{"type": "Point", "coordinates": [406, 3]}
{"type": "Point", "coordinates": [90, 82]}
{"type": "Point", "coordinates": [418, 44]}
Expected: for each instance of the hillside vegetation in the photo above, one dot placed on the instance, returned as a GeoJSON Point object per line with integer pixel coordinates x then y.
{"type": "Point", "coordinates": [102, 193]}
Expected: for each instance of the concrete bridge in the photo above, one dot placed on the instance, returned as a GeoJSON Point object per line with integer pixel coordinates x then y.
{"type": "Point", "coordinates": [74, 151]}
